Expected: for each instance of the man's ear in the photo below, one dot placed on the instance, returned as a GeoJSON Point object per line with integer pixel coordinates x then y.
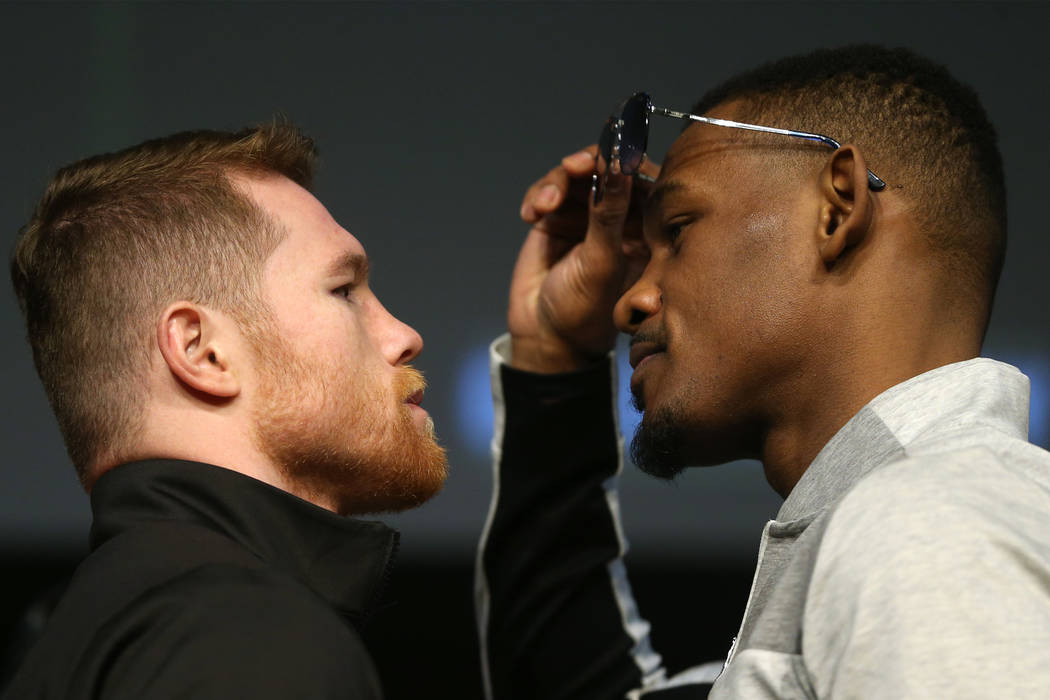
{"type": "Point", "coordinates": [192, 345]}
{"type": "Point", "coordinates": [847, 206]}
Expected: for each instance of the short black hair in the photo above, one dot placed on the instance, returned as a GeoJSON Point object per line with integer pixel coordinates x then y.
{"type": "Point", "coordinates": [920, 129]}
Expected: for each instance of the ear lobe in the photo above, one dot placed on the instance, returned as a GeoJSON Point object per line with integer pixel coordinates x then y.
{"type": "Point", "coordinates": [847, 207]}
{"type": "Point", "coordinates": [191, 346]}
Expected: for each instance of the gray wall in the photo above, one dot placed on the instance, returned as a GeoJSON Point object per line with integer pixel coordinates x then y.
{"type": "Point", "coordinates": [432, 118]}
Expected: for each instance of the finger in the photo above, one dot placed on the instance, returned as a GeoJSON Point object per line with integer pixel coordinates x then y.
{"type": "Point", "coordinates": [640, 190]}
{"type": "Point", "coordinates": [570, 179]}
{"type": "Point", "coordinates": [544, 195]}
{"type": "Point", "coordinates": [633, 243]}
{"type": "Point", "coordinates": [650, 168]}
{"type": "Point", "coordinates": [635, 267]}
{"type": "Point", "coordinates": [580, 163]}
{"type": "Point", "coordinates": [569, 222]}
{"type": "Point", "coordinates": [635, 248]}
{"type": "Point", "coordinates": [544, 199]}
{"type": "Point", "coordinates": [553, 192]}
{"type": "Point", "coordinates": [607, 218]}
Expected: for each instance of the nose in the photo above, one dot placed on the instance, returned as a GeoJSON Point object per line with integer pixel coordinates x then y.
{"type": "Point", "coordinates": [638, 303]}
{"type": "Point", "coordinates": [400, 342]}
{"type": "Point", "coordinates": [412, 344]}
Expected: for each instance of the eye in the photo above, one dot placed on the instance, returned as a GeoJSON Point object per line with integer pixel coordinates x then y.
{"type": "Point", "coordinates": [672, 232]}
{"type": "Point", "coordinates": [345, 292]}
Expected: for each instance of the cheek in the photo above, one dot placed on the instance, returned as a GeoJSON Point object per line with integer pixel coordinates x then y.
{"type": "Point", "coordinates": [335, 329]}
{"type": "Point", "coordinates": [733, 305]}
{"type": "Point", "coordinates": [761, 229]}
{"type": "Point", "coordinates": [704, 295]}
{"type": "Point", "coordinates": [333, 362]}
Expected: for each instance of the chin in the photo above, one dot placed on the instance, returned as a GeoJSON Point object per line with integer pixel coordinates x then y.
{"type": "Point", "coordinates": [401, 491]}
{"type": "Point", "coordinates": [669, 439]}
{"type": "Point", "coordinates": [393, 466]}
{"type": "Point", "coordinates": [656, 448]}
{"type": "Point", "coordinates": [391, 480]}
{"type": "Point", "coordinates": [353, 446]}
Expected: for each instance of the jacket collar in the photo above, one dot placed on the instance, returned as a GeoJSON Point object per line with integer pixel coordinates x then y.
{"type": "Point", "coordinates": [963, 400]}
{"type": "Point", "coordinates": [342, 559]}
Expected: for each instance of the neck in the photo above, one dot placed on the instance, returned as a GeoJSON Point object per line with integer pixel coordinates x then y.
{"type": "Point", "coordinates": [216, 437]}
{"type": "Point", "coordinates": [831, 392]}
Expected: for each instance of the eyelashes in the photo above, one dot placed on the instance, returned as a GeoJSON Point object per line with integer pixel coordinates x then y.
{"type": "Point", "coordinates": [675, 227]}
{"type": "Point", "coordinates": [672, 232]}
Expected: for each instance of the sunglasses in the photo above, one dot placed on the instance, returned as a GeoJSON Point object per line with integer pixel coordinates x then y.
{"type": "Point", "coordinates": [626, 136]}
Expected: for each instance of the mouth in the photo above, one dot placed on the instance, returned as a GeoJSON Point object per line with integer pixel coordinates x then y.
{"type": "Point", "coordinates": [415, 398]}
{"type": "Point", "coordinates": [644, 350]}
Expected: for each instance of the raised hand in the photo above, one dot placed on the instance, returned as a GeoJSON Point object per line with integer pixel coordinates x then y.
{"type": "Point", "coordinates": [576, 261]}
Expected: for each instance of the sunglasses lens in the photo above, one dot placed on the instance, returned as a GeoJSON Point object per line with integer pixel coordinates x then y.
{"type": "Point", "coordinates": [634, 134]}
{"type": "Point", "coordinates": [625, 139]}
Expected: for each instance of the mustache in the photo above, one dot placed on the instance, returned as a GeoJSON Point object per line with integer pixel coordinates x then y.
{"type": "Point", "coordinates": [408, 381]}
{"type": "Point", "coordinates": [653, 336]}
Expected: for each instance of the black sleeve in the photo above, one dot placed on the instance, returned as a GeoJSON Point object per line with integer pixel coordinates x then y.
{"type": "Point", "coordinates": [226, 632]}
{"type": "Point", "coordinates": [555, 611]}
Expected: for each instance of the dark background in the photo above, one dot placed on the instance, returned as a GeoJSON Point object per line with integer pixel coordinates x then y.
{"type": "Point", "coordinates": [432, 118]}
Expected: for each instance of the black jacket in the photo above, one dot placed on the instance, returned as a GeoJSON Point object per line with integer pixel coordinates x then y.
{"type": "Point", "coordinates": [205, 583]}
{"type": "Point", "coordinates": [556, 616]}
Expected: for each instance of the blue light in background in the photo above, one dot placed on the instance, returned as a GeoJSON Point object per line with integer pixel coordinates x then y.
{"type": "Point", "coordinates": [629, 418]}
{"type": "Point", "coordinates": [1037, 367]}
{"type": "Point", "coordinates": [474, 398]}
{"type": "Point", "coordinates": [474, 401]}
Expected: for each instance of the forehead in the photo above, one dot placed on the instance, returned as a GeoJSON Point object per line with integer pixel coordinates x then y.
{"type": "Point", "coordinates": [311, 234]}
{"type": "Point", "coordinates": [722, 164]}
{"type": "Point", "coordinates": [710, 145]}
{"type": "Point", "coordinates": [706, 162]}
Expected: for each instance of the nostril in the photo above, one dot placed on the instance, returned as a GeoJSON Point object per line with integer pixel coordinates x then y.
{"type": "Point", "coordinates": [407, 356]}
{"type": "Point", "coordinates": [637, 316]}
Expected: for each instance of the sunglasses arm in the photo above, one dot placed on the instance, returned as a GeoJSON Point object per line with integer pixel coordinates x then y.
{"type": "Point", "coordinates": [875, 183]}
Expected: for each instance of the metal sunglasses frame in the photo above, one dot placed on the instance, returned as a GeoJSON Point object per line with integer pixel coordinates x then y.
{"type": "Point", "coordinates": [616, 124]}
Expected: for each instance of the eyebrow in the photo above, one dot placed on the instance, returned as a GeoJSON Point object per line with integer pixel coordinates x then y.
{"type": "Point", "coordinates": [657, 196]}
{"type": "Point", "coordinates": [349, 262]}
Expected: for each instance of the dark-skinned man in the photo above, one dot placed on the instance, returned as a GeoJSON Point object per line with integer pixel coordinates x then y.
{"type": "Point", "coordinates": [811, 285]}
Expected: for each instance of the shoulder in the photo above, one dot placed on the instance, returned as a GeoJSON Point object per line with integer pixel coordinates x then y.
{"type": "Point", "coordinates": [244, 595]}
{"type": "Point", "coordinates": [926, 526]}
{"type": "Point", "coordinates": [936, 497]}
{"type": "Point", "coordinates": [225, 630]}
{"type": "Point", "coordinates": [928, 569]}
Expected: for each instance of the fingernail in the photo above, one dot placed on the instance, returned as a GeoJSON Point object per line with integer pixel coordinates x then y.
{"type": "Point", "coordinates": [548, 195]}
{"type": "Point", "coordinates": [581, 158]}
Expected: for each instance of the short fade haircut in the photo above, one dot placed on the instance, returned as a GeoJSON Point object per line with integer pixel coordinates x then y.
{"type": "Point", "coordinates": [118, 237]}
{"type": "Point", "coordinates": [920, 129]}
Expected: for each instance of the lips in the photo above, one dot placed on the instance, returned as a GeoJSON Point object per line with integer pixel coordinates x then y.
{"type": "Point", "coordinates": [642, 350]}
{"type": "Point", "coordinates": [415, 398]}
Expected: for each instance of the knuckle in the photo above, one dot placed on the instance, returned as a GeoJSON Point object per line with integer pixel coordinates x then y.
{"type": "Point", "coordinates": [609, 216]}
